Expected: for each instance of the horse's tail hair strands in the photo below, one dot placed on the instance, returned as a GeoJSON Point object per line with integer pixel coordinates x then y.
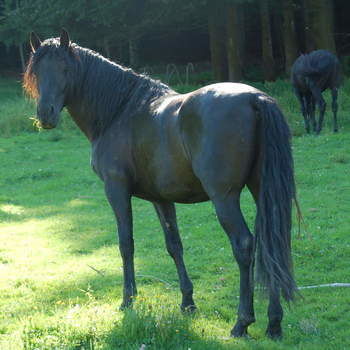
{"type": "Point", "coordinates": [277, 190]}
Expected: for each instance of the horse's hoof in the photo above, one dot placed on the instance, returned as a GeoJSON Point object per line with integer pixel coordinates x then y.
{"type": "Point", "coordinates": [274, 334]}
{"type": "Point", "coordinates": [239, 331]}
{"type": "Point", "coordinates": [125, 305]}
{"type": "Point", "coordinates": [188, 309]}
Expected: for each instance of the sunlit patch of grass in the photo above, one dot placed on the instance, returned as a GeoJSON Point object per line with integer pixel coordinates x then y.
{"type": "Point", "coordinates": [77, 202]}
{"type": "Point", "coordinates": [12, 209]}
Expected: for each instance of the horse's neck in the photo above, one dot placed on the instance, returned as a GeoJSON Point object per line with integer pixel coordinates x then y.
{"type": "Point", "coordinates": [83, 119]}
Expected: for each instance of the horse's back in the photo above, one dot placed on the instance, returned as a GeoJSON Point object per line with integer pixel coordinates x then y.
{"type": "Point", "coordinates": [217, 101]}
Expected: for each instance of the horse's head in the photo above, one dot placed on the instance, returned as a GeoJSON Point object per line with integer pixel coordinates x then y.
{"type": "Point", "coordinates": [47, 76]}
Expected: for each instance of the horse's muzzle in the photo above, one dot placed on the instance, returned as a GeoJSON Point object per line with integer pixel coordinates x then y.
{"type": "Point", "coordinates": [47, 125]}
{"type": "Point", "coordinates": [47, 116]}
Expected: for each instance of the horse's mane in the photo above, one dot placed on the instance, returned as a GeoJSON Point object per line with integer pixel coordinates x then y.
{"type": "Point", "coordinates": [108, 89]}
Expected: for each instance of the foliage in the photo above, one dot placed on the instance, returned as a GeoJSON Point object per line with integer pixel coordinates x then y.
{"type": "Point", "coordinates": [91, 21]}
{"type": "Point", "coordinates": [121, 28]}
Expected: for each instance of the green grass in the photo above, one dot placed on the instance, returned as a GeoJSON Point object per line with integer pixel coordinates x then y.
{"type": "Point", "coordinates": [60, 269]}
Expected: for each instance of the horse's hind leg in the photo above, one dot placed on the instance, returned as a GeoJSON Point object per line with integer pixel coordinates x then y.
{"type": "Point", "coordinates": [167, 216]}
{"type": "Point", "coordinates": [335, 108]}
{"type": "Point", "coordinates": [275, 314]}
{"type": "Point", "coordinates": [242, 242]}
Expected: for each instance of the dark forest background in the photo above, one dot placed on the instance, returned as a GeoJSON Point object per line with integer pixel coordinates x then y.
{"type": "Point", "coordinates": [235, 39]}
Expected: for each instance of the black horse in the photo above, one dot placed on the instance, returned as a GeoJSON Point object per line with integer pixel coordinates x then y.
{"type": "Point", "coordinates": [311, 74]}
{"type": "Point", "coordinates": [151, 142]}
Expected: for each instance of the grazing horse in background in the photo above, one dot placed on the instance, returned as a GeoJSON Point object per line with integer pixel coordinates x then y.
{"type": "Point", "coordinates": [311, 74]}
{"type": "Point", "coordinates": [150, 142]}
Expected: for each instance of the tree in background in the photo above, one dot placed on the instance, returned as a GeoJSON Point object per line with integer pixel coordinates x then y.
{"type": "Point", "coordinates": [217, 34]}
{"type": "Point", "coordinates": [266, 40]}
{"type": "Point", "coordinates": [319, 18]}
{"type": "Point", "coordinates": [235, 40]}
{"type": "Point", "coordinates": [289, 33]}
{"type": "Point", "coordinates": [17, 17]}
{"type": "Point", "coordinates": [226, 26]}
{"type": "Point", "coordinates": [20, 17]}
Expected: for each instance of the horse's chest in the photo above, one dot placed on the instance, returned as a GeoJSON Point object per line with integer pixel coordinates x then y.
{"type": "Point", "coordinates": [111, 160]}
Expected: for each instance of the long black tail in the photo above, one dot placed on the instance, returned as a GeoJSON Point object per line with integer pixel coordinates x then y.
{"type": "Point", "coordinates": [277, 191]}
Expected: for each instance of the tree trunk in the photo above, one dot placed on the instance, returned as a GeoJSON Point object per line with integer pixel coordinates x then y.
{"type": "Point", "coordinates": [309, 40]}
{"type": "Point", "coordinates": [106, 47]}
{"type": "Point", "coordinates": [21, 54]}
{"type": "Point", "coordinates": [242, 33]}
{"type": "Point", "coordinates": [266, 38]}
{"type": "Point", "coordinates": [122, 52]}
{"type": "Point", "coordinates": [319, 17]}
{"type": "Point", "coordinates": [217, 40]}
{"type": "Point", "coordinates": [133, 53]}
{"type": "Point", "coordinates": [289, 33]}
{"type": "Point", "coordinates": [234, 44]}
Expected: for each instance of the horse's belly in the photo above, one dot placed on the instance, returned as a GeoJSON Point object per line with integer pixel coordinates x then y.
{"type": "Point", "coordinates": [184, 197]}
{"type": "Point", "coordinates": [179, 193]}
{"type": "Point", "coordinates": [180, 189]}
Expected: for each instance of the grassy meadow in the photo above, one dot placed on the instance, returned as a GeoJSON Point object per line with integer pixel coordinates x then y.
{"type": "Point", "coordinates": [60, 269]}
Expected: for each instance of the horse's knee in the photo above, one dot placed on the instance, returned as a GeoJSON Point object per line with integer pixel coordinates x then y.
{"type": "Point", "coordinates": [126, 247]}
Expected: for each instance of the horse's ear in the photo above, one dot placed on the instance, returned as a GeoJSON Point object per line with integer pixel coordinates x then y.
{"type": "Point", "coordinates": [35, 42]}
{"type": "Point", "coordinates": [64, 39]}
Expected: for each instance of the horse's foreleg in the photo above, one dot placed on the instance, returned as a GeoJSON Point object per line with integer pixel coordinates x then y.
{"type": "Point", "coordinates": [242, 242]}
{"type": "Point", "coordinates": [317, 95]}
{"type": "Point", "coordinates": [120, 201]}
{"type": "Point", "coordinates": [311, 112]}
{"type": "Point", "coordinates": [335, 109]}
{"type": "Point", "coordinates": [167, 216]}
{"type": "Point", "coordinates": [303, 106]}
